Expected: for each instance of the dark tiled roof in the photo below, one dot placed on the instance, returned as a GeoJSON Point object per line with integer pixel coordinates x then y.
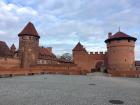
{"type": "Point", "coordinates": [4, 50]}
{"type": "Point", "coordinates": [30, 30]}
{"type": "Point", "coordinates": [137, 63]}
{"type": "Point", "coordinates": [44, 53]}
{"type": "Point", "coordinates": [120, 36]}
{"type": "Point", "coordinates": [13, 46]}
{"type": "Point", "coordinates": [79, 47]}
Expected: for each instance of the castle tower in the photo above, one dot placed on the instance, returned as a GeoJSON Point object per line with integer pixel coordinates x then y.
{"type": "Point", "coordinates": [120, 52]}
{"type": "Point", "coordinates": [80, 55]}
{"type": "Point", "coordinates": [13, 48]}
{"type": "Point", "coordinates": [78, 50]}
{"type": "Point", "coordinates": [28, 45]}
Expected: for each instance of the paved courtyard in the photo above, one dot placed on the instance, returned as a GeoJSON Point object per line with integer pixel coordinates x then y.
{"type": "Point", "coordinates": [69, 90]}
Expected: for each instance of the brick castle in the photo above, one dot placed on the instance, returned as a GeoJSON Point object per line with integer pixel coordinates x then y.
{"type": "Point", "coordinates": [30, 58]}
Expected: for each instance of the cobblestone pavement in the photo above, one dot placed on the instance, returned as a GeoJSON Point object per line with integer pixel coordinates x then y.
{"type": "Point", "coordinates": [68, 90]}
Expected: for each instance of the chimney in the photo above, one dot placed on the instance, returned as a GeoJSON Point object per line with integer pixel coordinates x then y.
{"type": "Point", "coordinates": [109, 34]}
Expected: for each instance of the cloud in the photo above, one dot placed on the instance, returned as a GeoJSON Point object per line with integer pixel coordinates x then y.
{"type": "Point", "coordinates": [63, 23]}
{"type": "Point", "coordinates": [2, 32]}
{"type": "Point", "coordinates": [13, 18]}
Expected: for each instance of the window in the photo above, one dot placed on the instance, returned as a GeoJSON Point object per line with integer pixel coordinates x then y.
{"type": "Point", "coordinates": [125, 60]}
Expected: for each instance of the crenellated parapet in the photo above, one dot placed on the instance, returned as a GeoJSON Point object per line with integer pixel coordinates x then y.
{"type": "Point", "coordinates": [98, 53]}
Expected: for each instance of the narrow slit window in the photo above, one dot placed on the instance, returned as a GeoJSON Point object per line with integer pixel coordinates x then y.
{"type": "Point", "coordinates": [125, 60]}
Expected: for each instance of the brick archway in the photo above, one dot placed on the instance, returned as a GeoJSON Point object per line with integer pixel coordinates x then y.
{"type": "Point", "coordinates": [98, 65]}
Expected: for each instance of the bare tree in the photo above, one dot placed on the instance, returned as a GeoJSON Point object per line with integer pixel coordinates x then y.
{"type": "Point", "coordinates": [67, 57]}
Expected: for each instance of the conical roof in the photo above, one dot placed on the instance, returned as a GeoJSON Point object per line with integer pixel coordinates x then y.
{"type": "Point", "coordinates": [120, 36]}
{"type": "Point", "coordinates": [29, 30]}
{"type": "Point", "coordinates": [79, 47]}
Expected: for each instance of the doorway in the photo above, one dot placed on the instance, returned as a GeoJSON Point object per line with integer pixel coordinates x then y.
{"type": "Point", "coordinates": [100, 67]}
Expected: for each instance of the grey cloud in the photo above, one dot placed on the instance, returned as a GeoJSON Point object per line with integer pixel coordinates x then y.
{"type": "Point", "coordinates": [70, 21]}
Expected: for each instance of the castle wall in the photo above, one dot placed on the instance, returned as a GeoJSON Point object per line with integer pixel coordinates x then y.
{"type": "Point", "coordinates": [119, 59]}
{"type": "Point", "coordinates": [96, 57]}
{"type": "Point", "coordinates": [60, 69]}
{"type": "Point", "coordinates": [9, 62]}
{"type": "Point", "coordinates": [125, 73]}
{"type": "Point", "coordinates": [68, 69]}
{"type": "Point", "coordinates": [88, 61]}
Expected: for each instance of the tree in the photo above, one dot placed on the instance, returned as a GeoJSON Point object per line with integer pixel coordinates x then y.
{"type": "Point", "coordinates": [67, 57]}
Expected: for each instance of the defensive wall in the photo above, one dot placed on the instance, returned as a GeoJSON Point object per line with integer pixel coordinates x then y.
{"type": "Point", "coordinates": [88, 61]}
{"type": "Point", "coordinates": [67, 69]}
{"type": "Point", "coordinates": [9, 62]}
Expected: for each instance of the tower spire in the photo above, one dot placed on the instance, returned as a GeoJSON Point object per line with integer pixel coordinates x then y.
{"type": "Point", "coordinates": [119, 29]}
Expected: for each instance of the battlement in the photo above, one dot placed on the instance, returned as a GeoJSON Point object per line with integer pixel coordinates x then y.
{"type": "Point", "coordinates": [97, 53]}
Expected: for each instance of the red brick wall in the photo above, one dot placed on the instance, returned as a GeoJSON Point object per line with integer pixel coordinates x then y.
{"type": "Point", "coordinates": [51, 69]}
{"type": "Point", "coordinates": [125, 73]}
{"type": "Point", "coordinates": [60, 68]}
{"type": "Point", "coordinates": [88, 61]}
{"type": "Point", "coordinates": [9, 62]}
{"type": "Point", "coordinates": [121, 55]}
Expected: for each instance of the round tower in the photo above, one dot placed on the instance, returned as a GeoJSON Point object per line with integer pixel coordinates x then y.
{"type": "Point", "coordinates": [120, 52]}
{"type": "Point", "coordinates": [28, 45]}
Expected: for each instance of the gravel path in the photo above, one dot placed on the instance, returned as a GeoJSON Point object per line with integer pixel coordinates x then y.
{"type": "Point", "coordinates": [68, 90]}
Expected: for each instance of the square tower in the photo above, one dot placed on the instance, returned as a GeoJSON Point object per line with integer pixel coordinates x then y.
{"type": "Point", "coordinates": [28, 45]}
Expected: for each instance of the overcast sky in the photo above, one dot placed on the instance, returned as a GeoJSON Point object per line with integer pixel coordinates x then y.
{"type": "Point", "coordinates": [62, 23]}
